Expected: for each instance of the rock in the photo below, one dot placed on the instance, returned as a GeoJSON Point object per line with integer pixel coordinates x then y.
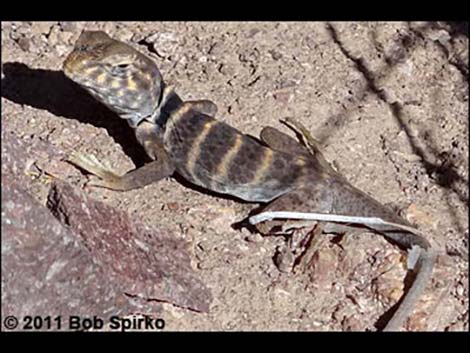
{"type": "Point", "coordinates": [20, 158]}
{"type": "Point", "coordinates": [46, 270]}
{"type": "Point", "coordinates": [24, 44]}
{"type": "Point", "coordinates": [253, 32]}
{"type": "Point", "coordinates": [65, 37]}
{"type": "Point", "coordinates": [68, 26]}
{"type": "Point", "coordinates": [50, 270]}
{"type": "Point", "coordinates": [125, 34]}
{"type": "Point", "coordinates": [42, 27]}
{"type": "Point", "coordinates": [146, 262]}
{"type": "Point", "coordinates": [350, 323]}
{"type": "Point", "coordinates": [275, 54]}
{"type": "Point", "coordinates": [283, 97]}
{"type": "Point", "coordinates": [249, 55]}
{"type": "Point", "coordinates": [164, 43]}
{"type": "Point", "coordinates": [172, 206]}
{"type": "Point", "coordinates": [284, 259]}
{"type": "Point", "coordinates": [416, 215]}
{"type": "Point", "coordinates": [53, 37]}
{"type": "Point", "coordinates": [61, 50]}
{"type": "Point", "coordinates": [389, 286]}
{"type": "Point", "coordinates": [103, 264]}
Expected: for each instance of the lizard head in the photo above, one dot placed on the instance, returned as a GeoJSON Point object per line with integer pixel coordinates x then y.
{"type": "Point", "coordinates": [116, 74]}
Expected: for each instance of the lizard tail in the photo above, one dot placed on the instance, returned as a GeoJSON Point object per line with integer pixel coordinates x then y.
{"type": "Point", "coordinates": [423, 268]}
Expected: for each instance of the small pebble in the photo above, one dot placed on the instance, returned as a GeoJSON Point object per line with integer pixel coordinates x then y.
{"type": "Point", "coordinates": [24, 44]}
{"type": "Point", "coordinates": [172, 206]}
{"type": "Point", "coordinates": [42, 27]}
{"type": "Point", "coordinates": [254, 238]}
{"type": "Point", "coordinates": [68, 26]}
{"type": "Point", "coordinates": [460, 290]}
{"type": "Point", "coordinates": [275, 54]}
{"type": "Point", "coordinates": [252, 32]}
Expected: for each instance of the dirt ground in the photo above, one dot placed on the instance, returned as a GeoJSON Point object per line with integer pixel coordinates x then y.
{"type": "Point", "coordinates": [387, 101]}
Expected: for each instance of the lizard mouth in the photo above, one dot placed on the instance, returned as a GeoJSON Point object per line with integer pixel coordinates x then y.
{"type": "Point", "coordinates": [68, 69]}
{"type": "Point", "coordinates": [73, 65]}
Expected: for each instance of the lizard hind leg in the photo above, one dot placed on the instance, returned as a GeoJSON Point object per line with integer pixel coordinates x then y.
{"type": "Point", "coordinates": [312, 145]}
{"type": "Point", "coordinates": [280, 141]}
{"type": "Point", "coordinates": [303, 134]}
{"type": "Point", "coordinates": [306, 145]}
{"type": "Point", "coordinates": [322, 204]}
{"type": "Point", "coordinates": [307, 199]}
{"type": "Point", "coordinates": [303, 235]}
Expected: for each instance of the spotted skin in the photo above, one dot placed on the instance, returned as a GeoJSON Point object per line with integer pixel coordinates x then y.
{"type": "Point", "coordinates": [202, 150]}
{"type": "Point", "coordinates": [125, 80]}
{"type": "Point", "coordinates": [186, 138]}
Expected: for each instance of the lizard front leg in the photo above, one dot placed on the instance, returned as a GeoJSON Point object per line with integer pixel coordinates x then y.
{"type": "Point", "coordinates": [203, 106]}
{"type": "Point", "coordinates": [134, 179]}
{"type": "Point", "coordinates": [154, 171]}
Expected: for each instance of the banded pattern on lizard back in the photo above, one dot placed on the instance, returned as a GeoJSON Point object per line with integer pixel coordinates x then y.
{"type": "Point", "coordinates": [214, 155]}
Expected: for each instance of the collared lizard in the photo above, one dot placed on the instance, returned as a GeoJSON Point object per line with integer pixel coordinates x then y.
{"type": "Point", "coordinates": [184, 137]}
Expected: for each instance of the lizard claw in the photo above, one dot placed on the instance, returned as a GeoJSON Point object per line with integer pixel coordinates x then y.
{"type": "Point", "coordinates": [101, 177]}
{"type": "Point", "coordinates": [89, 163]}
{"type": "Point", "coordinates": [94, 181]}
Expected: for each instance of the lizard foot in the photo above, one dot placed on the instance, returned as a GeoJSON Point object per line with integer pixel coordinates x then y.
{"type": "Point", "coordinates": [298, 251]}
{"type": "Point", "coordinates": [102, 175]}
{"type": "Point", "coordinates": [305, 137]}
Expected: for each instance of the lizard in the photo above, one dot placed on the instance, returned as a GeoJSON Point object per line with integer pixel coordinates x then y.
{"type": "Point", "coordinates": [183, 137]}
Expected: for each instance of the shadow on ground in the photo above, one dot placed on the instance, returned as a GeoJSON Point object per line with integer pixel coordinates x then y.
{"type": "Point", "coordinates": [54, 92]}
{"type": "Point", "coordinates": [443, 172]}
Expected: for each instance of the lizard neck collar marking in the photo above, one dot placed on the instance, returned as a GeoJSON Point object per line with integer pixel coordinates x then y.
{"type": "Point", "coordinates": [162, 113]}
{"type": "Point", "coordinates": [134, 120]}
{"type": "Point", "coordinates": [168, 102]}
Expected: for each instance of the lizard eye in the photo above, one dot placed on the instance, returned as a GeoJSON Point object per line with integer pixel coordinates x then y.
{"type": "Point", "coordinates": [119, 69]}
